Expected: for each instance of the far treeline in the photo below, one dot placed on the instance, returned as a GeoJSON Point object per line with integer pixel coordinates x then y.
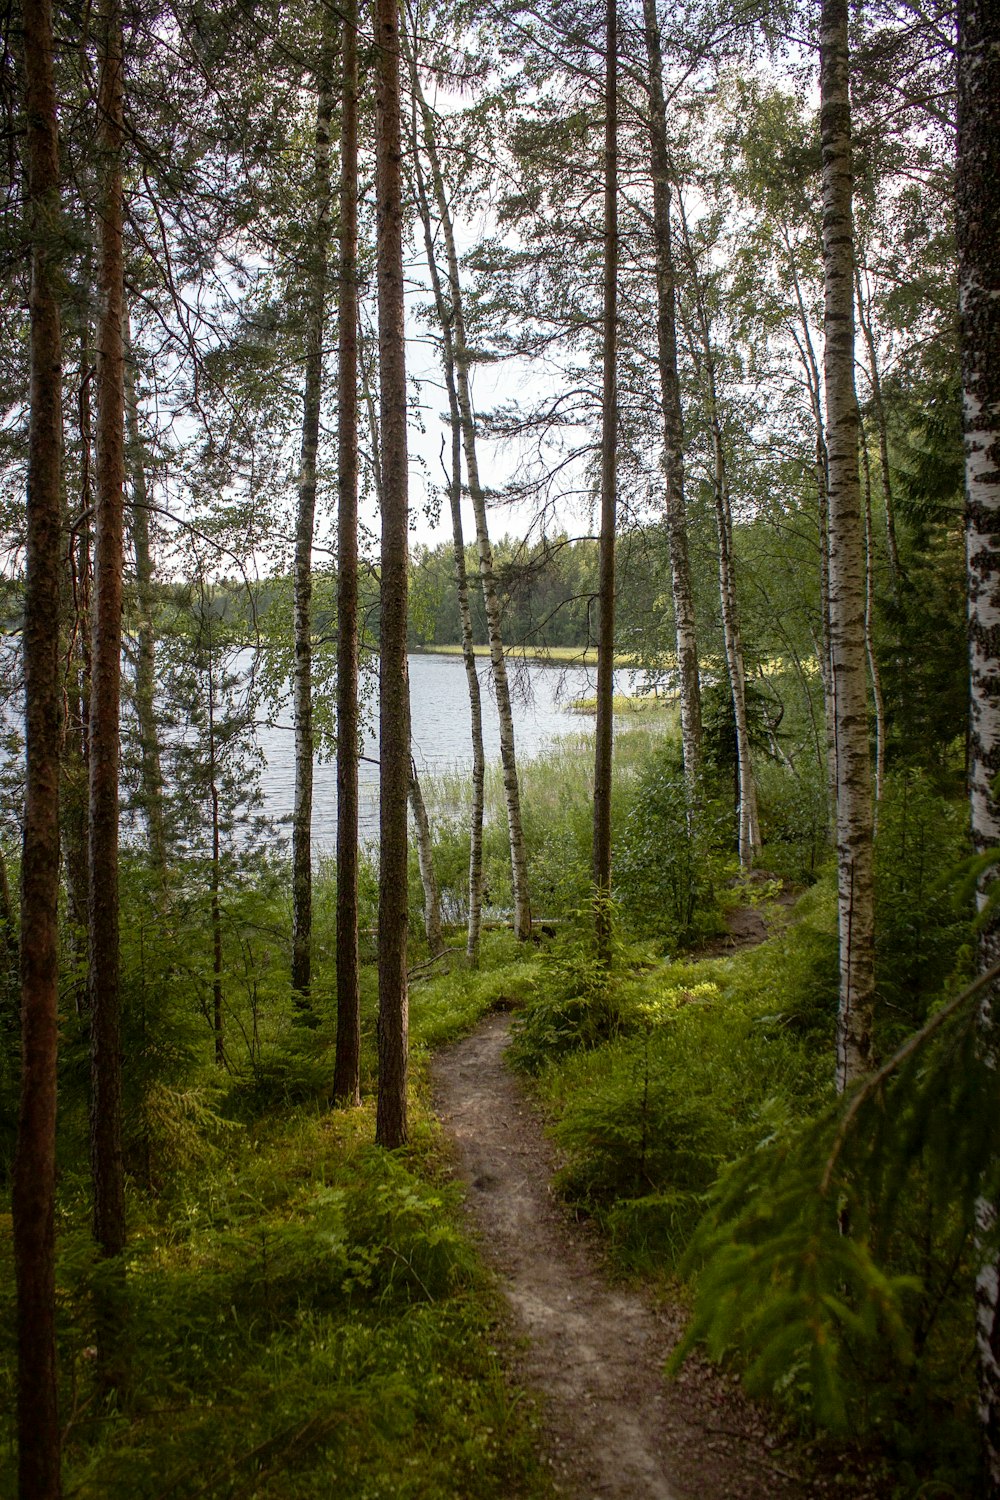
{"type": "Point", "coordinates": [736, 265]}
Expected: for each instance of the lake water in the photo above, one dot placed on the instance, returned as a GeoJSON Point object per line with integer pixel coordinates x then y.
{"type": "Point", "coordinates": [439, 731]}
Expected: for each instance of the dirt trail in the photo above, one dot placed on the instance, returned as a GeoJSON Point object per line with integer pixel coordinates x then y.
{"type": "Point", "coordinates": [594, 1351]}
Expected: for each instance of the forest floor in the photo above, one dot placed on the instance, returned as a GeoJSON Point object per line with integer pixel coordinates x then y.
{"type": "Point", "coordinates": [592, 1349]}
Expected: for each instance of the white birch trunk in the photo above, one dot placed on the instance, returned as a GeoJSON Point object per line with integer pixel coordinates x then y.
{"type": "Point", "coordinates": [978, 234]}
{"type": "Point", "coordinates": [491, 600]}
{"type": "Point", "coordinates": [302, 697]}
{"type": "Point", "coordinates": [847, 563]}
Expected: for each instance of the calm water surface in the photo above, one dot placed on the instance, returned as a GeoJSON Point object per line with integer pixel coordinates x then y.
{"type": "Point", "coordinates": [440, 734]}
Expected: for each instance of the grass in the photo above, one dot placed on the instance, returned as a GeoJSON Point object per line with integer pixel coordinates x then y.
{"type": "Point", "coordinates": [579, 655]}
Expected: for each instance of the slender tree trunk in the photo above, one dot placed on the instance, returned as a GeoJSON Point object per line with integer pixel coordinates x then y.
{"type": "Point", "coordinates": [878, 406]}
{"type": "Point", "coordinates": [461, 575]}
{"type": "Point", "coordinates": [491, 600]}
{"type": "Point", "coordinates": [609, 501]}
{"type": "Point", "coordinates": [316, 279]}
{"type": "Point", "coordinates": [103, 976]}
{"type": "Point", "coordinates": [978, 233]}
{"type": "Point", "coordinates": [874, 669]}
{"type": "Point", "coordinates": [394, 704]}
{"type": "Point", "coordinates": [35, 1159]}
{"type": "Point", "coordinates": [346, 1075]}
{"type": "Point", "coordinates": [847, 562]}
{"type": "Point", "coordinates": [425, 856]}
{"type": "Point", "coordinates": [215, 873]}
{"type": "Point", "coordinates": [145, 670]}
{"type": "Point", "coordinates": [749, 835]}
{"type": "Point", "coordinates": [670, 403]}
{"type": "Point", "coordinates": [76, 757]}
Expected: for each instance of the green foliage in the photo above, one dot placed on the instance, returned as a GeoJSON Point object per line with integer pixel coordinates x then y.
{"type": "Point", "coordinates": [668, 866]}
{"type": "Point", "coordinates": [920, 928]}
{"type": "Point", "coordinates": [794, 818]}
{"type": "Point", "coordinates": [304, 1310]}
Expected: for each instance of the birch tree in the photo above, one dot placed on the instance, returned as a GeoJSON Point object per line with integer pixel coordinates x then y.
{"type": "Point", "coordinates": [978, 233]}
{"type": "Point", "coordinates": [302, 688]}
{"type": "Point", "coordinates": [487, 577]}
{"type": "Point", "coordinates": [847, 562]}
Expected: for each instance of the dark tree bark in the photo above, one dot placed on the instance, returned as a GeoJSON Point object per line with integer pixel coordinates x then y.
{"type": "Point", "coordinates": [609, 499]}
{"type": "Point", "coordinates": [316, 278]}
{"type": "Point", "coordinates": [689, 683]}
{"type": "Point", "coordinates": [35, 1164]}
{"type": "Point", "coordinates": [394, 704]}
{"type": "Point", "coordinates": [847, 562]}
{"type": "Point", "coordinates": [103, 977]}
{"type": "Point", "coordinates": [978, 234]}
{"type": "Point", "coordinates": [346, 1076]}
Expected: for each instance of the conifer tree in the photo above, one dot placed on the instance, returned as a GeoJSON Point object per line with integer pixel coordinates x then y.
{"type": "Point", "coordinates": [35, 1162]}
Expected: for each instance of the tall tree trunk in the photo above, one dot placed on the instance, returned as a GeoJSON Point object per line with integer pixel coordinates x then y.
{"type": "Point", "coordinates": [75, 751]}
{"type": "Point", "coordinates": [215, 876]}
{"type": "Point", "coordinates": [491, 600]}
{"type": "Point", "coordinates": [145, 668]}
{"type": "Point", "coordinates": [670, 404]}
{"type": "Point", "coordinates": [446, 319]}
{"type": "Point", "coordinates": [394, 703]}
{"type": "Point", "coordinates": [978, 233]}
{"type": "Point", "coordinates": [346, 1074]}
{"type": "Point", "coordinates": [847, 562]}
{"type": "Point", "coordinates": [425, 856]}
{"type": "Point", "coordinates": [604, 735]}
{"type": "Point", "coordinates": [103, 976]}
{"type": "Point", "coordinates": [316, 288]}
{"type": "Point", "coordinates": [35, 1159]}
{"type": "Point", "coordinates": [748, 828]}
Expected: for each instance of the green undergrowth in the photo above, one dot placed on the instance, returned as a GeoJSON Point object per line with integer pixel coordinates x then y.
{"type": "Point", "coordinates": [305, 1317]}
{"type": "Point", "coordinates": [657, 1075]}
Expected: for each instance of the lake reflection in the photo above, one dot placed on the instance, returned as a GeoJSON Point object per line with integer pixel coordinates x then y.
{"type": "Point", "coordinates": [440, 733]}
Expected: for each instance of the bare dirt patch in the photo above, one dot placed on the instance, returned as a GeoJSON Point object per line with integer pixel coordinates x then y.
{"type": "Point", "coordinates": [595, 1351]}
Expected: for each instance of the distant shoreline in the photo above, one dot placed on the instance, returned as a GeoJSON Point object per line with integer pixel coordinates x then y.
{"type": "Point", "coordinates": [563, 656]}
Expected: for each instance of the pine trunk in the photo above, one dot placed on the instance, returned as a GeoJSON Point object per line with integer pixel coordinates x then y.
{"type": "Point", "coordinates": [347, 1065]}
{"type": "Point", "coordinates": [978, 233]}
{"type": "Point", "coordinates": [491, 599]}
{"type": "Point", "coordinates": [689, 684]}
{"type": "Point", "coordinates": [316, 279]}
{"type": "Point", "coordinates": [35, 1164]}
{"type": "Point", "coordinates": [847, 563]}
{"type": "Point", "coordinates": [394, 704]}
{"type": "Point", "coordinates": [609, 499]}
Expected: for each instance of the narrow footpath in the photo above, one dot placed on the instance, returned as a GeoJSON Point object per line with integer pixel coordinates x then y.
{"type": "Point", "coordinates": [594, 1352]}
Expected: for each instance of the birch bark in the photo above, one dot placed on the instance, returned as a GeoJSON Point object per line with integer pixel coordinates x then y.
{"type": "Point", "coordinates": [978, 233]}
{"type": "Point", "coordinates": [145, 667]}
{"type": "Point", "coordinates": [446, 320]}
{"type": "Point", "coordinates": [491, 600]}
{"type": "Point", "coordinates": [847, 562]}
{"type": "Point", "coordinates": [316, 276]}
{"type": "Point", "coordinates": [35, 1163]}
